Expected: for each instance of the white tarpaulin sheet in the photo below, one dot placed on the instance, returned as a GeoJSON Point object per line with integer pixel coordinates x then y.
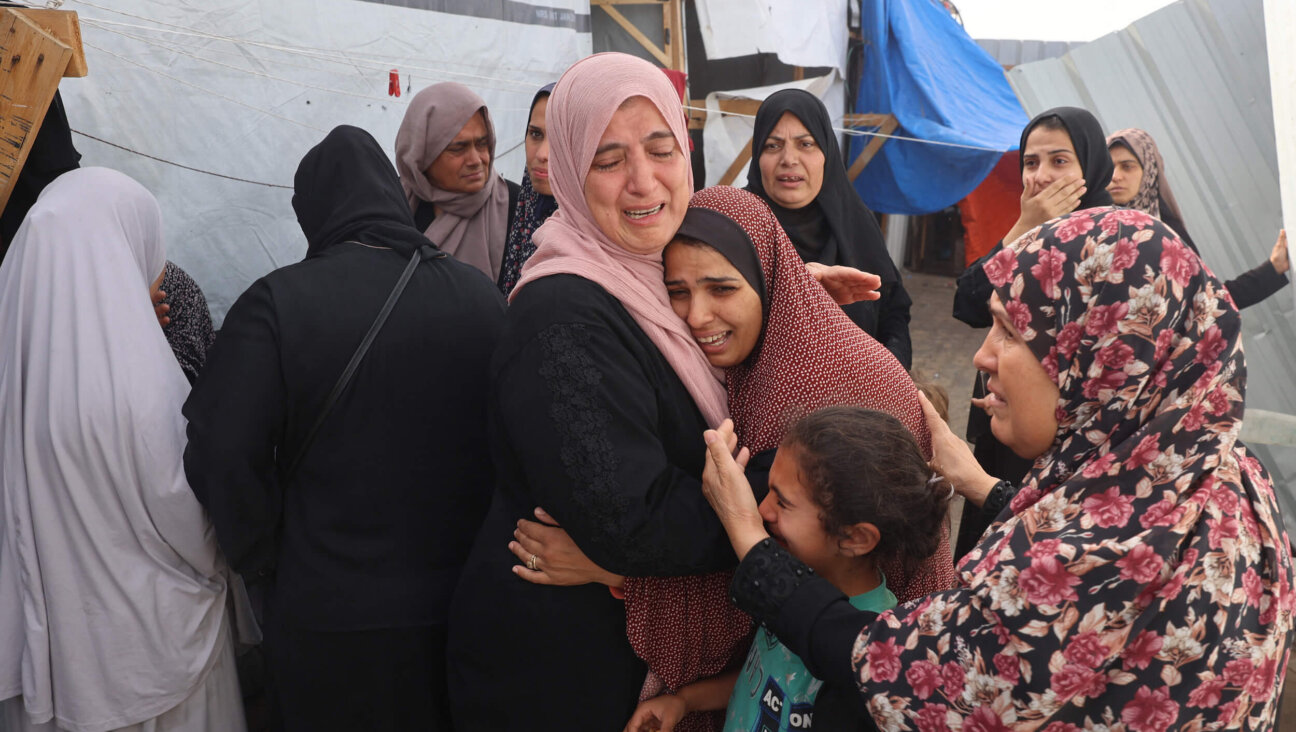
{"type": "Point", "coordinates": [1280, 29]}
{"type": "Point", "coordinates": [245, 87]}
{"type": "Point", "coordinates": [726, 136]}
{"type": "Point", "coordinates": [801, 32]}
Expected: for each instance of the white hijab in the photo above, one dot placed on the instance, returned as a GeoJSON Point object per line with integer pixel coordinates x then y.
{"type": "Point", "coordinates": [111, 585]}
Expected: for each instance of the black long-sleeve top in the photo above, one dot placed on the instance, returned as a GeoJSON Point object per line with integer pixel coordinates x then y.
{"type": "Point", "coordinates": [373, 529]}
{"type": "Point", "coordinates": [588, 421]}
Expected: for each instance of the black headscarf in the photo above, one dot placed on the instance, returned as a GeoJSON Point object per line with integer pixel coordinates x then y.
{"type": "Point", "coordinates": [727, 237]}
{"type": "Point", "coordinates": [835, 228]}
{"type": "Point", "coordinates": [346, 189]}
{"type": "Point", "coordinates": [533, 208]}
{"type": "Point", "coordinates": [1091, 150]}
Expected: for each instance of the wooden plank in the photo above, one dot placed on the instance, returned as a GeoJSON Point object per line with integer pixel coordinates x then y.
{"type": "Point", "coordinates": [66, 27]}
{"type": "Point", "coordinates": [628, 2]}
{"type": "Point", "coordinates": [697, 117]}
{"type": "Point", "coordinates": [874, 145]}
{"type": "Point", "coordinates": [865, 120]}
{"type": "Point", "coordinates": [673, 28]}
{"type": "Point", "coordinates": [738, 164]}
{"type": "Point", "coordinates": [637, 34]}
{"type": "Point", "coordinates": [31, 64]}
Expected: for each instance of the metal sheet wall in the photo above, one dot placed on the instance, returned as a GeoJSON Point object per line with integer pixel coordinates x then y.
{"type": "Point", "coordinates": [1196, 76]}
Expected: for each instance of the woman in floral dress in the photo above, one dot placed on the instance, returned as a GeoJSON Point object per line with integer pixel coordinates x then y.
{"type": "Point", "coordinates": [1139, 580]}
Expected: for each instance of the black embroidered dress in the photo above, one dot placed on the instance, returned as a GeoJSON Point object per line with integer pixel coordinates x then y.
{"type": "Point", "coordinates": [589, 421]}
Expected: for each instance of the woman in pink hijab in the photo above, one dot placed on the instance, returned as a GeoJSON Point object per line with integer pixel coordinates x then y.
{"type": "Point", "coordinates": [445, 154]}
{"type": "Point", "coordinates": [600, 400]}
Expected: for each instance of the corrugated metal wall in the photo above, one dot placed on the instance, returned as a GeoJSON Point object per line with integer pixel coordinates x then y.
{"type": "Point", "coordinates": [1196, 76]}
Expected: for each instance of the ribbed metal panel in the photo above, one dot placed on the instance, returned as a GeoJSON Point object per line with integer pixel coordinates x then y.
{"type": "Point", "coordinates": [1196, 76]}
{"type": "Point", "coordinates": [1011, 52]}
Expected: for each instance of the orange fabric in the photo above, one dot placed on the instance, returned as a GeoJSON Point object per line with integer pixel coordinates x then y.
{"type": "Point", "coordinates": [992, 208]}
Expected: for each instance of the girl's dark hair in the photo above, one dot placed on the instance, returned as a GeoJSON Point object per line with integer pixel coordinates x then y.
{"type": "Point", "coordinates": [861, 465]}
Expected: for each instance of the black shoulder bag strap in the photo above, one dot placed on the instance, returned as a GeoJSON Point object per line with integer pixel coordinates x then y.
{"type": "Point", "coordinates": [424, 252]}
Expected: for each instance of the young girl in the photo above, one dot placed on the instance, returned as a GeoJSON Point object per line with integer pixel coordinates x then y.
{"type": "Point", "coordinates": [848, 488]}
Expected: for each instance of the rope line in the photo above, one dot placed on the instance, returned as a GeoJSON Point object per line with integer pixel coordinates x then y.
{"type": "Point", "coordinates": [181, 165]}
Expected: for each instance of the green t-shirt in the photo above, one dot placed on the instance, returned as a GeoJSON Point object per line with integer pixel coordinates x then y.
{"type": "Point", "coordinates": [774, 690]}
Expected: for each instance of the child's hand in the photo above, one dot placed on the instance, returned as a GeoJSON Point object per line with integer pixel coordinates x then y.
{"type": "Point", "coordinates": [659, 714]}
{"type": "Point", "coordinates": [727, 489]}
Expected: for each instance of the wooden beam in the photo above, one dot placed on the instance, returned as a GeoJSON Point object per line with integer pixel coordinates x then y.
{"type": "Point", "coordinates": [738, 164]}
{"type": "Point", "coordinates": [31, 64]}
{"type": "Point", "coordinates": [66, 27]}
{"type": "Point", "coordinates": [871, 149]}
{"type": "Point", "coordinates": [798, 73]}
{"type": "Point", "coordinates": [866, 120]}
{"type": "Point", "coordinates": [673, 28]}
{"type": "Point", "coordinates": [637, 34]}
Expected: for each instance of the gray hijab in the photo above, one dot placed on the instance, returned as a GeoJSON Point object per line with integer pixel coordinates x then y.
{"type": "Point", "coordinates": [470, 227]}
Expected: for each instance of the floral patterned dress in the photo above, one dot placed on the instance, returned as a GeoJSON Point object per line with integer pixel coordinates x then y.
{"type": "Point", "coordinates": [1142, 580]}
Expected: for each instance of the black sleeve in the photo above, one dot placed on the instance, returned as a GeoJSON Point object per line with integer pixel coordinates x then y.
{"type": "Point", "coordinates": [515, 191]}
{"type": "Point", "coordinates": [1252, 287]}
{"type": "Point", "coordinates": [893, 324]}
{"type": "Point", "coordinates": [972, 296]}
{"type": "Point", "coordinates": [236, 413]}
{"type": "Point", "coordinates": [583, 419]}
{"type": "Point", "coordinates": [812, 618]}
{"type": "Point", "coordinates": [975, 521]}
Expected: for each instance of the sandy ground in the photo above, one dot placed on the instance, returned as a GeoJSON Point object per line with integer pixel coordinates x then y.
{"type": "Point", "coordinates": [943, 349]}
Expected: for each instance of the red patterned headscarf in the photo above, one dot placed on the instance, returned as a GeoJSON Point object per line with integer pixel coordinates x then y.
{"type": "Point", "coordinates": [810, 356]}
{"type": "Point", "coordinates": [1143, 579]}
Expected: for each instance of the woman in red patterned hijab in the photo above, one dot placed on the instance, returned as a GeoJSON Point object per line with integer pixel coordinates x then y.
{"type": "Point", "coordinates": [786, 351]}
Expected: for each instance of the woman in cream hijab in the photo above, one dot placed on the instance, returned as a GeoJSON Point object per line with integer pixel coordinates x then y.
{"type": "Point", "coordinates": [112, 589]}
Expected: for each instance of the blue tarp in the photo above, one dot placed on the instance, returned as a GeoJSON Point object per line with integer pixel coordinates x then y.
{"type": "Point", "coordinates": [922, 67]}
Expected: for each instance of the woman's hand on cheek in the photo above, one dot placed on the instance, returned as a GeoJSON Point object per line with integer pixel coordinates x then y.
{"type": "Point", "coordinates": [727, 490]}
{"type": "Point", "coordinates": [952, 458]}
{"type": "Point", "coordinates": [846, 285]}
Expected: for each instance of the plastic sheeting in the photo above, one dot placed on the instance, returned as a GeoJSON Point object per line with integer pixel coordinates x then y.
{"type": "Point", "coordinates": [922, 67]}
{"type": "Point", "coordinates": [244, 87]}
{"type": "Point", "coordinates": [801, 32]}
{"type": "Point", "coordinates": [726, 136]}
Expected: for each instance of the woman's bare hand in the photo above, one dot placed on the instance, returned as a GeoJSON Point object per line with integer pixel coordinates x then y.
{"type": "Point", "coordinates": [727, 490]}
{"type": "Point", "coordinates": [1279, 256]}
{"type": "Point", "coordinates": [952, 458]}
{"type": "Point", "coordinates": [1059, 198]}
{"type": "Point", "coordinates": [558, 561]}
{"type": "Point", "coordinates": [846, 285]}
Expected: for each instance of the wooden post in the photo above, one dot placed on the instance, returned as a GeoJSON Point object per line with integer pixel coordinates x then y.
{"type": "Point", "coordinates": [31, 63]}
{"type": "Point", "coordinates": [64, 25]}
{"type": "Point", "coordinates": [888, 126]}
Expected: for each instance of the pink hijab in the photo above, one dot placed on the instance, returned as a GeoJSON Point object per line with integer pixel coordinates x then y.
{"type": "Point", "coordinates": [470, 227]}
{"type": "Point", "coordinates": [570, 242]}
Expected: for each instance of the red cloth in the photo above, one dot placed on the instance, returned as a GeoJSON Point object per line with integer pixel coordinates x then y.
{"type": "Point", "coordinates": [810, 356]}
{"type": "Point", "coordinates": [992, 208]}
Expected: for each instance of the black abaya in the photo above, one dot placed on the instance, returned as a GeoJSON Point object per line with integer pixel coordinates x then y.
{"type": "Point", "coordinates": [371, 532]}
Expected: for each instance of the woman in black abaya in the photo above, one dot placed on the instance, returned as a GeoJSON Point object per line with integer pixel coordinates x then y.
{"type": "Point", "coordinates": [797, 168]}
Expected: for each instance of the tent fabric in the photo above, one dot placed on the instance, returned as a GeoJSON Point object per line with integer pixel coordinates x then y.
{"type": "Point", "coordinates": [922, 67]}
{"type": "Point", "coordinates": [992, 208]}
